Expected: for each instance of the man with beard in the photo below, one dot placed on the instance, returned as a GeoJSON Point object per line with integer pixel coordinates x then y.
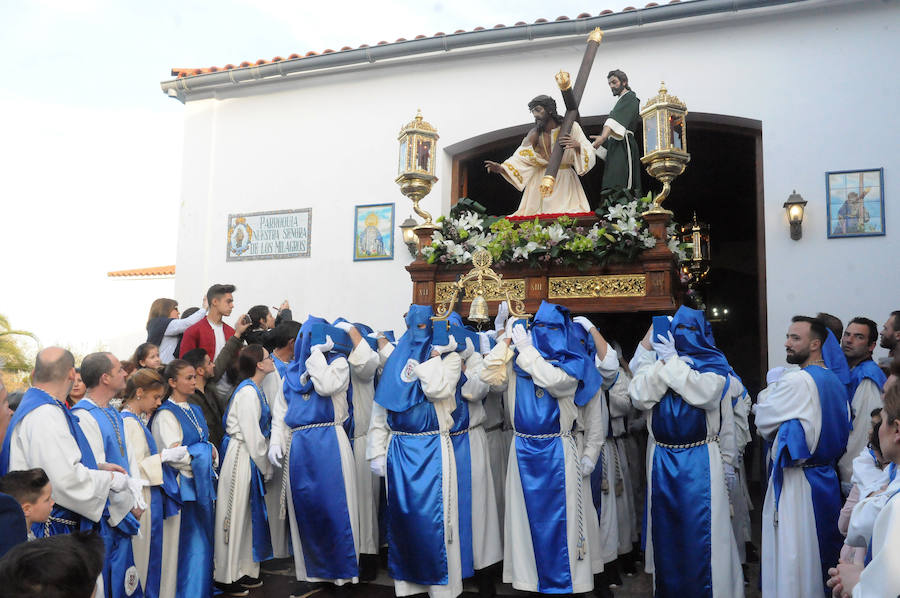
{"type": "Point", "coordinates": [805, 416]}
{"type": "Point", "coordinates": [864, 391]}
{"type": "Point", "coordinates": [525, 168]}
{"type": "Point", "coordinates": [616, 144]}
{"type": "Point", "coordinates": [890, 338]}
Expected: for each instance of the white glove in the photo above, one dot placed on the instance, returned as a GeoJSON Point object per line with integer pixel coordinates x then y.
{"type": "Point", "coordinates": [467, 352]}
{"type": "Point", "coordinates": [587, 466]}
{"type": "Point", "coordinates": [502, 315]}
{"type": "Point", "coordinates": [304, 377]}
{"type": "Point", "coordinates": [325, 347]}
{"type": "Point", "coordinates": [179, 454]}
{"type": "Point", "coordinates": [276, 454]}
{"type": "Point", "coordinates": [450, 346]}
{"type": "Point", "coordinates": [665, 347]}
{"type": "Point", "coordinates": [119, 482]}
{"type": "Point", "coordinates": [484, 343]}
{"type": "Point", "coordinates": [376, 335]}
{"type": "Point", "coordinates": [136, 486]}
{"type": "Point", "coordinates": [775, 374]}
{"type": "Point", "coordinates": [378, 465]}
{"type": "Point", "coordinates": [521, 338]}
{"type": "Point", "coordinates": [585, 323]}
{"type": "Point", "coordinates": [345, 326]}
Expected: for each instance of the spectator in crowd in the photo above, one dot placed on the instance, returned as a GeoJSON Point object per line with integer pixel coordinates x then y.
{"type": "Point", "coordinates": [146, 356]}
{"type": "Point", "coordinates": [164, 327]}
{"type": "Point", "coordinates": [78, 390]}
{"type": "Point", "coordinates": [207, 396]}
{"type": "Point", "coordinates": [890, 337]}
{"type": "Point", "coordinates": [13, 399]}
{"type": "Point", "coordinates": [283, 338]}
{"type": "Point", "coordinates": [262, 324]}
{"type": "Point", "coordinates": [12, 520]}
{"type": "Point", "coordinates": [211, 332]}
{"type": "Point", "coordinates": [76, 562]}
{"type": "Point", "coordinates": [879, 577]}
{"type": "Point", "coordinates": [32, 490]}
{"type": "Point", "coordinates": [865, 388]}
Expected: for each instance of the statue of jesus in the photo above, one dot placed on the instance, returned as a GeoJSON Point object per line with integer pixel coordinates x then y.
{"type": "Point", "coordinates": [525, 168]}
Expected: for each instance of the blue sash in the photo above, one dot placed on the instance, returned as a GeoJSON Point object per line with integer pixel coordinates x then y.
{"type": "Point", "coordinates": [818, 466]}
{"type": "Point", "coordinates": [259, 518]}
{"type": "Point", "coordinates": [463, 454]}
{"type": "Point", "coordinates": [198, 495]}
{"type": "Point", "coordinates": [867, 369]}
{"type": "Point", "coordinates": [119, 553]}
{"type": "Point", "coordinates": [34, 398]}
{"type": "Point", "coordinates": [415, 501]}
{"type": "Point", "coordinates": [542, 470]}
{"type": "Point", "coordinates": [164, 502]}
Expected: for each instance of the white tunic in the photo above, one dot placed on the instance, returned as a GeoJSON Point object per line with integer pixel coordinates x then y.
{"type": "Point", "coordinates": [278, 526]}
{"type": "Point", "coordinates": [880, 577]}
{"type": "Point", "coordinates": [790, 551]}
{"type": "Point", "coordinates": [148, 467]}
{"type": "Point", "coordinates": [438, 378]}
{"type": "Point", "coordinates": [167, 434]}
{"type": "Point", "coordinates": [619, 408]}
{"type": "Point", "coordinates": [651, 382]}
{"type": "Point", "coordinates": [120, 503]}
{"type": "Point", "coordinates": [42, 439]}
{"type": "Point", "coordinates": [487, 548]}
{"type": "Point", "coordinates": [363, 367]}
{"type": "Point", "coordinates": [519, 565]}
{"type": "Point", "coordinates": [234, 547]}
{"type": "Point", "coordinates": [866, 398]}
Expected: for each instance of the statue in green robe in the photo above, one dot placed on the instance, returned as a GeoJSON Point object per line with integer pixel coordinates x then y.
{"type": "Point", "coordinates": [616, 145]}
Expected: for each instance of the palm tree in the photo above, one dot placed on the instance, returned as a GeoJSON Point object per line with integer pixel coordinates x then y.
{"type": "Point", "coordinates": [12, 356]}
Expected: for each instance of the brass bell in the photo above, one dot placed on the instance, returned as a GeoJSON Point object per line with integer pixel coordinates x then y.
{"type": "Point", "coordinates": [478, 312]}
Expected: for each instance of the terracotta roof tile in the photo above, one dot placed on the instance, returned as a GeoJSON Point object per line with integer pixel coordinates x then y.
{"type": "Point", "coordinates": [155, 271]}
{"type": "Point", "coordinates": [187, 72]}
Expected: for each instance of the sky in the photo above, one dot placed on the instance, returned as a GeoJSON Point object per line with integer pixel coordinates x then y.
{"type": "Point", "coordinates": [90, 159]}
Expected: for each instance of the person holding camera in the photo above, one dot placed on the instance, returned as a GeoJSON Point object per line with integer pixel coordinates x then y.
{"type": "Point", "coordinates": [211, 333]}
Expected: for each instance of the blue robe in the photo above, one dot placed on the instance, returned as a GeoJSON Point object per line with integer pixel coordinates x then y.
{"type": "Point", "coordinates": [165, 501]}
{"type": "Point", "coordinates": [118, 562]}
{"type": "Point", "coordinates": [198, 495]}
{"type": "Point", "coordinates": [317, 488]}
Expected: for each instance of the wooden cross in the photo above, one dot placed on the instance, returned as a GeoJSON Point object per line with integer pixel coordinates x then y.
{"type": "Point", "coordinates": [572, 98]}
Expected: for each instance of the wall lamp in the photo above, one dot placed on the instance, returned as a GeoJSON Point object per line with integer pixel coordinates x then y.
{"type": "Point", "coordinates": [409, 235]}
{"type": "Point", "coordinates": [794, 207]}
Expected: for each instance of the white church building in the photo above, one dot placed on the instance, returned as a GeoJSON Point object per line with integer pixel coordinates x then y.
{"type": "Point", "coordinates": [779, 94]}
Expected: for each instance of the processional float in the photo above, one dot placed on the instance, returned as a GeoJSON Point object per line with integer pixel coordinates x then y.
{"type": "Point", "coordinates": [654, 282]}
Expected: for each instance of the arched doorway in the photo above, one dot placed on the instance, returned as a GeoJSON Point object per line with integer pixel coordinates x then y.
{"type": "Point", "coordinates": [722, 184]}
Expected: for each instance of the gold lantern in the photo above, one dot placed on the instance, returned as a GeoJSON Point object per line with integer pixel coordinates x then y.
{"type": "Point", "coordinates": [696, 238]}
{"type": "Point", "coordinates": [415, 168]}
{"type": "Point", "coordinates": [665, 142]}
{"type": "Point", "coordinates": [475, 283]}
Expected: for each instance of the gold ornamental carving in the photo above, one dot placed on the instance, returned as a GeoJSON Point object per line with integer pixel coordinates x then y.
{"type": "Point", "coordinates": [443, 291]}
{"type": "Point", "coordinates": [585, 287]}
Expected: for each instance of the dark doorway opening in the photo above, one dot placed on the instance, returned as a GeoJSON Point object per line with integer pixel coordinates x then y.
{"type": "Point", "coordinates": [722, 184]}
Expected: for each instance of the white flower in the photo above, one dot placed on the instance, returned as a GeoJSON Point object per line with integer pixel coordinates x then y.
{"type": "Point", "coordinates": [525, 251]}
{"type": "Point", "coordinates": [594, 233]}
{"type": "Point", "coordinates": [557, 233]}
{"type": "Point", "coordinates": [437, 237]}
{"type": "Point", "coordinates": [469, 221]}
{"type": "Point", "coordinates": [647, 239]}
{"type": "Point", "coordinates": [676, 248]}
{"type": "Point", "coordinates": [427, 251]}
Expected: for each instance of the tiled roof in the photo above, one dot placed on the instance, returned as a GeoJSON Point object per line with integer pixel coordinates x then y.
{"type": "Point", "coordinates": [188, 72]}
{"type": "Point", "coordinates": [155, 271]}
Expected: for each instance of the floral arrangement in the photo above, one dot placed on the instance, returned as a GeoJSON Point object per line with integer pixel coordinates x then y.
{"type": "Point", "coordinates": [620, 235]}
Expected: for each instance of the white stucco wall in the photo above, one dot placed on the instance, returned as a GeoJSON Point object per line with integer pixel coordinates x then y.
{"type": "Point", "coordinates": [817, 74]}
